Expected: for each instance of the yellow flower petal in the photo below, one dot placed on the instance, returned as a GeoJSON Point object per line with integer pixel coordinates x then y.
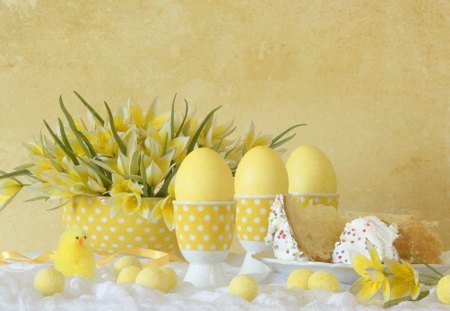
{"type": "Point", "coordinates": [365, 289]}
{"type": "Point", "coordinates": [168, 216]}
{"type": "Point", "coordinates": [386, 290]}
{"type": "Point", "coordinates": [360, 263]}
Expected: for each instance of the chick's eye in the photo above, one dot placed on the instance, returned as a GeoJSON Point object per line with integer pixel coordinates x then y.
{"type": "Point", "coordinates": [77, 237]}
{"type": "Point", "coordinates": [85, 237]}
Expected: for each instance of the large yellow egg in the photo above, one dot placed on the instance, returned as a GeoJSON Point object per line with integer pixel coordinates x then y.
{"type": "Point", "coordinates": [311, 171]}
{"type": "Point", "coordinates": [261, 172]}
{"type": "Point", "coordinates": [204, 176]}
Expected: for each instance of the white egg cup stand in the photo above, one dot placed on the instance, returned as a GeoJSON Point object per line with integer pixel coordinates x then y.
{"type": "Point", "coordinates": [251, 265]}
{"type": "Point", "coordinates": [205, 268]}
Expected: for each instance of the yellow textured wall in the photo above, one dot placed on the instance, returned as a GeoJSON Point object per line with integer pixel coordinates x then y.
{"type": "Point", "coordinates": [371, 78]}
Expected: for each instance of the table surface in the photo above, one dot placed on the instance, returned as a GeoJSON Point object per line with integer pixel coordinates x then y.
{"type": "Point", "coordinates": [102, 293]}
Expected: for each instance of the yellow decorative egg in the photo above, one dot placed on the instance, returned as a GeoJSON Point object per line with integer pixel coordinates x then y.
{"type": "Point", "coordinates": [153, 278]}
{"type": "Point", "coordinates": [324, 280]}
{"type": "Point", "coordinates": [204, 176]}
{"type": "Point", "coordinates": [128, 274]}
{"type": "Point", "coordinates": [443, 290]}
{"type": "Point", "coordinates": [244, 286]}
{"type": "Point", "coordinates": [49, 281]}
{"type": "Point", "coordinates": [126, 261]}
{"type": "Point", "coordinates": [310, 171]}
{"type": "Point", "coordinates": [171, 276]}
{"type": "Point", "coordinates": [299, 278]}
{"type": "Point", "coordinates": [261, 172]}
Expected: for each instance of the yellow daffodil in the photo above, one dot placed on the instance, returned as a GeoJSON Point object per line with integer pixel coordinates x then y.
{"type": "Point", "coordinates": [251, 139]}
{"type": "Point", "coordinates": [404, 279]}
{"type": "Point", "coordinates": [164, 209]}
{"type": "Point", "coordinates": [8, 189]}
{"type": "Point", "coordinates": [373, 277]}
{"type": "Point", "coordinates": [125, 194]}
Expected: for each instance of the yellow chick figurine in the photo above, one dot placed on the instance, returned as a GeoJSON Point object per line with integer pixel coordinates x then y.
{"type": "Point", "coordinates": [74, 256]}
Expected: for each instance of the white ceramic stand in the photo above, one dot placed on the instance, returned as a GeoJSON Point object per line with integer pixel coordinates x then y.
{"type": "Point", "coordinates": [251, 265]}
{"type": "Point", "coordinates": [205, 269]}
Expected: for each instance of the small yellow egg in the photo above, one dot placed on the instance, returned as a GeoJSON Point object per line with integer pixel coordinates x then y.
{"type": "Point", "coordinates": [244, 286]}
{"type": "Point", "coordinates": [299, 278]}
{"type": "Point", "coordinates": [49, 281]}
{"type": "Point", "coordinates": [324, 280]}
{"type": "Point", "coordinates": [128, 274]}
{"type": "Point", "coordinates": [310, 171]}
{"type": "Point", "coordinates": [126, 261]}
{"type": "Point", "coordinates": [443, 290]}
{"type": "Point", "coordinates": [171, 276]}
{"type": "Point", "coordinates": [261, 172]}
{"type": "Point", "coordinates": [204, 176]}
{"type": "Point", "coordinates": [153, 278]}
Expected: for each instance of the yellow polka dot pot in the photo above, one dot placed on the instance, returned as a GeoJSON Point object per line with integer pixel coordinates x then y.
{"type": "Point", "coordinates": [123, 231]}
{"type": "Point", "coordinates": [204, 232]}
{"type": "Point", "coordinates": [252, 220]}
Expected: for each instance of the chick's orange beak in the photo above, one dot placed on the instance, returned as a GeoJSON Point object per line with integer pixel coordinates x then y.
{"type": "Point", "coordinates": [82, 240]}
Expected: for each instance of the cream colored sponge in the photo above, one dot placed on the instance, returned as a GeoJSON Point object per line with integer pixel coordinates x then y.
{"type": "Point", "coordinates": [244, 286]}
{"type": "Point", "coordinates": [126, 261]}
{"type": "Point", "coordinates": [324, 280]}
{"type": "Point", "coordinates": [299, 278]}
{"type": "Point", "coordinates": [443, 290]}
{"type": "Point", "coordinates": [49, 281]}
{"type": "Point", "coordinates": [128, 274]}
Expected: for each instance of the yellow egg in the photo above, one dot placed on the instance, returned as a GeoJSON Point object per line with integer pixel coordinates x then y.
{"type": "Point", "coordinates": [128, 275]}
{"type": "Point", "coordinates": [310, 171]}
{"type": "Point", "coordinates": [204, 176]}
{"type": "Point", "coordinates": [244, 286]}
{"type": "Point", "coordinates": [153, 278]}
{"type": "Point", "coordinates": [443, 290]}
{"type": "Point", "coordinates": [171, 276]}
{"type": "Point", "coordinates": [49, 281]}
{"type": "Point", "coordinates": [126, 261]}
{"type": "Point", "coordinates": [324, 280]}
{"type": "Point", "coordinates": [299, 278]}
{"type": "Point", "coordinates": [261, 172]}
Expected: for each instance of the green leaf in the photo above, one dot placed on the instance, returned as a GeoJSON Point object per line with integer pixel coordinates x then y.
{"type": "Point", "coordinates": [122, 146]}
{"type": "Point", "coordinates": [107, 181]}
{"type": "Point", "coordinates": [42, 197]}
{"type": "Point", "coordinates": [92, 110]}
{"type": "Point", "coordinates": [281, 142]}
{"type": "Point", "coordinates": [15, 173]}
{"type": "Point", "coordinates": [60, 143]}
{"type": "Point", "coordinates": [24, 166]}
{"type": "Point", "coordinates": [166, 139]}
{"type": "Point", "coordinates": [66, 141]}
{"type": "Point", "coordinates": [61, 205]}
{"type": "Point", "coordinates": [186, 111]}
{"type": "Point", "coordinates": [278, 137]}
{"type": "Point", "coordinates": [84, 142]}
{"type": "Point", "coordinates": [172, 118]}
{"type": "Point", "coordinates": [191, 145]}
{"type": "Point", "coordinates": [394, 302]}
{"type": "Point", "coordinates": [144, 176]}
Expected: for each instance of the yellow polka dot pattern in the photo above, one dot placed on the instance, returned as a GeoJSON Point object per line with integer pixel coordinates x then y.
{"type": "Point", "coordinates": [252, 218]}
{"type": "Point", "coordinates": [120, 232]}
{"type": "Point", "coordinates": [312, 199]}
{"type": "Point", "coordinates": [204, 227]}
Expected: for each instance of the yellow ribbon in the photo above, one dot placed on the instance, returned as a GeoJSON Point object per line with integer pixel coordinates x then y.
{"type": "Point", "coordinates": [159, 258]}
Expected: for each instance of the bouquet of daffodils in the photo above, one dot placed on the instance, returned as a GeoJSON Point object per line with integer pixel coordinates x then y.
{"type": "Point", "coordinates": [126, 155]}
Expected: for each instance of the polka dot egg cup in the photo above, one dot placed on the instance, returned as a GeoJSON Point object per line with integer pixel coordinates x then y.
{"type": "Point", "coordinates": [252, 220]}
{"type": "Point", "coordinates": [123, 231]}
{"type": "Point", "coordinates": [204, 232]}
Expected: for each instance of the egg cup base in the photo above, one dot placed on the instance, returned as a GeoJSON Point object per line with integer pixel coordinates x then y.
{"type": "Point", "coordinates": [205, 269]}
{"type": "Point", "coordinates": [251, 265]}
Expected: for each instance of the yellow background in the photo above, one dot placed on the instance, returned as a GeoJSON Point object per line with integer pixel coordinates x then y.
{"type": "Point", "coordinates": [371, 78]}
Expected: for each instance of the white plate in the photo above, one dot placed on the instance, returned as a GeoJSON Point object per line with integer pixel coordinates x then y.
{"type": "Point", "coordinates": [343, 272]}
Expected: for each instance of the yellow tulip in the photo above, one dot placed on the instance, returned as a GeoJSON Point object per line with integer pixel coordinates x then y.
{"type": "Point", "coordinates": [8, 189]}
{"type": "Point", "coordinates": [126, 194]}
{"type": "Point", "coordinates": [373, 278]}
{"type": "Point", "coordinates": [404, 281]}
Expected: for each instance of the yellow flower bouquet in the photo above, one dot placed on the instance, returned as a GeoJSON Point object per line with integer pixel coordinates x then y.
{"type": "Point", "coordinates": [124, 156]}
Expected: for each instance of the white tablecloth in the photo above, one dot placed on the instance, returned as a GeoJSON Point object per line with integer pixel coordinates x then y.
{"type": "Point", "coordinates": [101, 293]}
